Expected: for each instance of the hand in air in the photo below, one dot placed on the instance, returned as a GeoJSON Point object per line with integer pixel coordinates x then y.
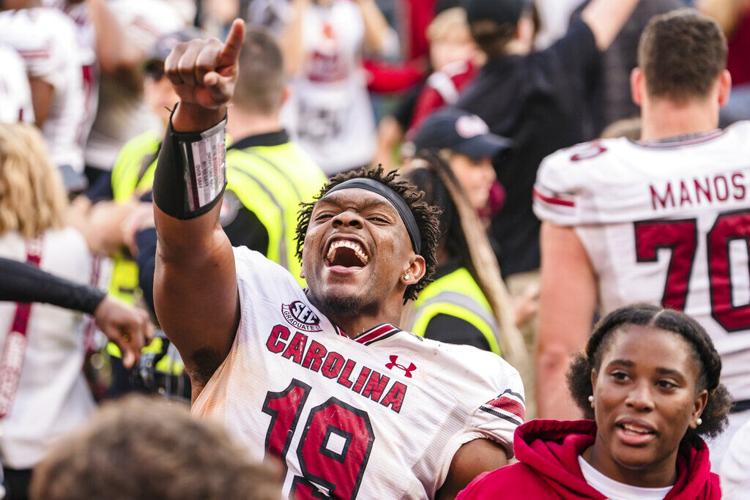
{"type": "Point", "coordinates": [204, 72]}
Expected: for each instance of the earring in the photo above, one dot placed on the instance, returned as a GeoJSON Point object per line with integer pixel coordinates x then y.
{"type": "Point", "coordinates": [591, 400]}
{"type": "Point", "coordinates": [698, 422]}
{"type": "Point", "coordinates": [407, 277]}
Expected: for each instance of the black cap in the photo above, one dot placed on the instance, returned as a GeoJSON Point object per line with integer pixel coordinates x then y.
{"type": "Point", "coordinates": [459, 131]}
{"type": "Point", "coordinates": [165, 43]}
{"type": "Point", "coordinates": [500, 11]}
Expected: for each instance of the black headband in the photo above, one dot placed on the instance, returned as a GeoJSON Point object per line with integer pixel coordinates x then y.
{"type": "Point", "coordinates": [394, 198]}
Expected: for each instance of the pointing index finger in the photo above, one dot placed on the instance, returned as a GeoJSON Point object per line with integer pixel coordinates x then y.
{"type": "Point", "coordinates": [230, 53]}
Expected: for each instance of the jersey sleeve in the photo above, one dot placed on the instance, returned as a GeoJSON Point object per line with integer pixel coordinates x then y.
{"type": "Point", "coordinates": [568, 183]}
{"type": "Point", "coordinates": [497, 418]}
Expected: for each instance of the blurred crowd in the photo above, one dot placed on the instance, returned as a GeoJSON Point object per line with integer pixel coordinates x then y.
{"type": "Point", "coordinates": [327, 86]}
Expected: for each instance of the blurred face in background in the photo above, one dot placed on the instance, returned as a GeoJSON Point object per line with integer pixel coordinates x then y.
{"type": "Point", "coordinates": [476, 177]}
{"type": "Point", "coordinates": [158, 92]}
{"type": "Point", "coordinates": [454, 48]}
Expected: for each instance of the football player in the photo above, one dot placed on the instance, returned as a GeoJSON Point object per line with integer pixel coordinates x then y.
{"type": "Point", "coordinates": [322, 378]}
{"type": "Point", "coordinates": [664, 220]}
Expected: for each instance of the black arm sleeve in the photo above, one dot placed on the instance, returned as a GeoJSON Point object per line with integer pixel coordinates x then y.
{"type": "Point", "coordinates": [453, 330]}
{"type": "Point", "coordinates": [22, 282]}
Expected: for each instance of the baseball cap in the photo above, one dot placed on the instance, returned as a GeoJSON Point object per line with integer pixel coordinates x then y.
{"type": "Point", "coordinates": [459, 131]}
{"type": "Point", "coordinates": [500, 11]}
{"type": "Point", "coordinates": [164, 45]}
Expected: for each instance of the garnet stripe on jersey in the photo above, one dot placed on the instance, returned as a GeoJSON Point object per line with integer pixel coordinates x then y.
{"type": "Point", "coordinates": [509, 405]}
{"type": "Point", "coordinates": [498, 413]}
{"type": "Point", "coordinates": [376, 333]}
{"type": "Point", "coordinates": [552, 200]}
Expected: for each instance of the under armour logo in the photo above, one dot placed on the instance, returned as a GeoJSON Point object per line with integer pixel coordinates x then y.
{"type": "Point", "coordinates": [393, 364]}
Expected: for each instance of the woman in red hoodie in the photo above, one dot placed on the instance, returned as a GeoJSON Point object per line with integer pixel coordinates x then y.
{"type": "Point", "coordinates": [649, 379]}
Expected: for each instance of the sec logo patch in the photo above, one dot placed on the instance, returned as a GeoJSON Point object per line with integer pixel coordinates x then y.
{"type": "Point", "coordinates": [301, 317]}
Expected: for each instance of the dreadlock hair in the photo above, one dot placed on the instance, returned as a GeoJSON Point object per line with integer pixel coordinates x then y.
{"type": "Point", "coordinates": [463, 236]}
{"type": "Point", "coordinates": [425, 214]}
{"type": "Point", "coordinates": [719, 401]}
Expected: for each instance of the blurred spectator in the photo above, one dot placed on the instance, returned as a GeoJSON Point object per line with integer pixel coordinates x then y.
{"type": "Point", "coordinates": [121, 113]}
{"type": "Point", "coordinates": [102, 47]}
{"type": "Point", "coordinates": [554, 19]}
{"type": "Point", "coordinates": [535, 98]}
{"type": "Point", "coordinates": [329, 112]}
{"type": "Point", "coordinates": [453, 58]}
{"type": "Point", "coordinates": [46, 40]}
{"type": "Point", "coordinates": [147, 448]}
{"type": "Point", "coordinates": [464, 141]}
{"type": "Point", "coordinates": [44, 391]}
{"type": "Point", "coordinates": [456, 174]}
{"type": "Point", "coordinates": [611, 97]}
{"type": "Point", "coordinates": [15, 94]}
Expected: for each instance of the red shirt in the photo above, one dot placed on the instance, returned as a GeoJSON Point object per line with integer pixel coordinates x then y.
{"type": "Point", "coordinates": [547, 453]}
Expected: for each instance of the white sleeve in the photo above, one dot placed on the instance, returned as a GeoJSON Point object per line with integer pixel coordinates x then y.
{"type": "Point", "coordinates": [556, 191]}
{"type": "Point", "coordinates": [497, 418]}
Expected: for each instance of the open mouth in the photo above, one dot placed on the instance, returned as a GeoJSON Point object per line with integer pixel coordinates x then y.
{"type": "Point", "coordinates": [634, 433]}
{"type": "Point", "coordinates": [636, 429]}
{"type": "Point", "coordinates": [346, 253]}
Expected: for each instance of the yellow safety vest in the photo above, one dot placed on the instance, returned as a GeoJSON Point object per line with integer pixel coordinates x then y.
{"type": "Point", "coordinates": [132, 173]}
{"type": "Point", "coordinates": [456, 294]}
{"type": "Point", "coordinates": [271, 182]}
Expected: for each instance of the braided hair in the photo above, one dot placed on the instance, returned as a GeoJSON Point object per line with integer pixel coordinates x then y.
{"type": "Point", "coordinates": [719, 402]}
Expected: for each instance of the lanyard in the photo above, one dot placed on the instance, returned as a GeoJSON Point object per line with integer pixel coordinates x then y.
{"type": "Point", "coordinates": [14, 349]}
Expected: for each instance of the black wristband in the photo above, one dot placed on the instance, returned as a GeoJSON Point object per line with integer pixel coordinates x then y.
{"type": "Point", "coordinates": [190, 172]}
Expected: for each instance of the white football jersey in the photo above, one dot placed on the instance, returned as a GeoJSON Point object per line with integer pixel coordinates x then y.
{"type": "Point", "coordinates": [15, 95]}
{"type": "Point", "coordinates": [664, 223]}
{"type": "Point", "coordinates": [45, 38]}
{"type": "Point", "coordinates": [380, 416]}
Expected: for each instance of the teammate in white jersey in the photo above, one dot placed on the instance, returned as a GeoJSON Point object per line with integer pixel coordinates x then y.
{"type": "Point", "coordinates": [45, 39]}
{"type": "Point", "coordinates": [321, 378]}
{"type": "Point", "coordinates": [665, 220]}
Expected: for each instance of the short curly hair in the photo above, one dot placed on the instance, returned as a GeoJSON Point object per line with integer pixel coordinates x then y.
{"type": "Point", "coordinates": [719, 401]}
{"type": "Point", "coordinates": [426, 215]}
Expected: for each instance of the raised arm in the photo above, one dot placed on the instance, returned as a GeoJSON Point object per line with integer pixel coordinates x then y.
{"type": "Point", "coordinates": [606, 18]}
{"type": "Point", "coordinates": [195, 289]}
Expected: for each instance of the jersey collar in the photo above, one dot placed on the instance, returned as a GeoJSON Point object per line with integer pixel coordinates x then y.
{"type": "Point", "coordinates": [374, 334]}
